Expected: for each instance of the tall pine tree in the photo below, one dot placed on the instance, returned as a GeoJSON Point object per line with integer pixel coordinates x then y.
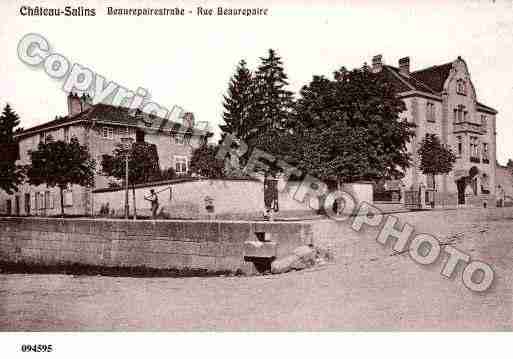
{"type": "Point", "coordinates": [273, 102]}
{"type": "Point", "coordinates": [237, 104]}
{"type": "Point", "coordinates": [10, 174]}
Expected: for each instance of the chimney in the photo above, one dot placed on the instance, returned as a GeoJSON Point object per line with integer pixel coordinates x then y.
{"type": "Point", "coordinates": [78, 104]}
{"type": "Point", "coordinates": [404, 66]}
{"type": "Point", "coordinates": [377, 63]}
{"type": "Point", "coordinates": [188, 120]}
{"type": "Point", "coordinates": [74, 104]}
{"type": "Point", "coordinates": [86, 102]}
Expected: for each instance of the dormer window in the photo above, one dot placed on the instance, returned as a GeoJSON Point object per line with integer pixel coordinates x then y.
{"type": "Point", "coordinates": [461, 87]}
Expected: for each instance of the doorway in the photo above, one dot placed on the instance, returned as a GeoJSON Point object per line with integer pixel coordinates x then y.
{"type": "Point", "coordinates": [27, 204]}
{"type": "Point", "coordinates": [17, 205]}
{"type": "Point", "coordinates": [139, 136]}
{"type": "Point", "coordinates": [461, 184]}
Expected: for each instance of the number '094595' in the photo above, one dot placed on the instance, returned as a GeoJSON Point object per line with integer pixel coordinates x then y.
{"type": "Point", "coordinates": [37, 348]}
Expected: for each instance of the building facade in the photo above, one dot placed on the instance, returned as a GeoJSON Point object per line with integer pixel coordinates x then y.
{"type": "Point", "coordinates": [442, 100]}
{"type": "Point", "coordinates": [504, 181]}
{"type": "Point", "coordinates": [100, 127]}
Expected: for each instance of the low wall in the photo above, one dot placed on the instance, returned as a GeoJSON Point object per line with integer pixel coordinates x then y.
{"type": "Point", "coordinates": [241, 198]}
{"type": "Point", "coordinates": [209, 245]}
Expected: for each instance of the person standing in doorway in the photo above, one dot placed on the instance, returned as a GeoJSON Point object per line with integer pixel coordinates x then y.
{"type": "Point", "coordinates": [154, 200]}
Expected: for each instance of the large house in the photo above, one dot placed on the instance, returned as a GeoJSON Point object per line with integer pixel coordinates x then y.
{"type": "Point", "coordinates": [443, 100]}
{"type": "Point", "coordinates": [100, 127]}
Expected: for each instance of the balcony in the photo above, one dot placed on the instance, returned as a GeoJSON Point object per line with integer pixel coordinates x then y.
{"type": "Point", "coordinates": [475, 159]}
{"type": "Point", "coordinates": [469, 127]}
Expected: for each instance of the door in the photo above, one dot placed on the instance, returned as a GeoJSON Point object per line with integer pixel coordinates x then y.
{"type": "Point", "coordinates": [17, 205]}
{"type": "Point", "coordinates": [139, 136]}
{"type": "Point", "coordinates": [27, 204]}
{"type": "Point", "coordinates": [412, 199]}
{"type": "Point", "coordinates": [8, 207]}
{"type": "Point", "coordinates": [271, 194]}
{"type": "Point", "coordinates": [461, 184]}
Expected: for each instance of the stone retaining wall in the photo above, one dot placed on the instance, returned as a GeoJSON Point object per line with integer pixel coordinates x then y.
{"type": "Point", "coordinates": [209, 245]}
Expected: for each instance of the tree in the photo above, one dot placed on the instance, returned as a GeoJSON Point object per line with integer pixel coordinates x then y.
{"type": "Point", "coordinates": [205, 163]}
{"type": "Point", "coordinates": [348, 129]}
{"type": "Point", "coordinates": [61, 164]}
{"type": "Point", "coordinates": [143, 165]}
{"type": "Point", "coordinates": [238, 102]}
{"type": "Point", "coordinates": [11, 175]}
{"type": "Point", "coordinates": [435, 158]}
{"type": "Point", "coordinates": [273, 103]}
{"type": "Point", "coordinates": [271, 112]}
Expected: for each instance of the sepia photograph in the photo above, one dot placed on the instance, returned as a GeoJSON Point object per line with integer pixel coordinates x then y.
{"type": "Point", "coordinates": [242, 167]}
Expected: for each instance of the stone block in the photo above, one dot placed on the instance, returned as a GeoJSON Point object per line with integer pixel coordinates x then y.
{"type": "Point", "coordinates": [82, 227]}
{"type": "Point", "coordinates": [203, 262]}
{"type": "Point", "coordinates": [233, 249]}
{"type": "Point", "coordinates": [284, 264]}
{"type": "Point", "coordinates": [235, 232]}
{"type": "Point", "coordinates": [229, 263]}
{"type": "Point", "coordinates": [212, 249]}
{"type": "Point", "coordinates": [258, 249]}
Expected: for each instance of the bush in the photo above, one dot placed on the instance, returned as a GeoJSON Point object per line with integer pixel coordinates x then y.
{"type": "Point", "coordinates": [168, 174]}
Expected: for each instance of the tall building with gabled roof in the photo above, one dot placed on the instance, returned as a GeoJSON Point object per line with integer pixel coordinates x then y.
{"type": "Point", "coordinates": [443, 100]}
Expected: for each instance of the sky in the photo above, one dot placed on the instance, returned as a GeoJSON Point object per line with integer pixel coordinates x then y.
{"type": "Point", "coordinates": [188, 61]}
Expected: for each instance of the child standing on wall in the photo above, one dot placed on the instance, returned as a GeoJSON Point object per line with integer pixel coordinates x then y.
{"type": "Point", "coordinates": [154, 200]}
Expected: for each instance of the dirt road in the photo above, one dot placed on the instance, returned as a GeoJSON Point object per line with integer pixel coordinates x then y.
{"type": "Point", "coordinates": [364, 289]}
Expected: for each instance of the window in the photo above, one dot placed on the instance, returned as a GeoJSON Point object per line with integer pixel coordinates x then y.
{"type": "Point", "coordinates": [460, 114]}
{"type": "Point", "coordinates": [430, 179]}
{"type": "Point", "coordinates": [461, 87]}
{"type": "Point", "coordinates": [187, 139]}
{"type": "Point", "coordinates": [483, 120]}
{"type": "Point", "coordinates": [430, 112]}
{"type": "Point", "coordinates": [123, 131]}
{"type": "Point", "coordinates": [108, 132]}
{"type": "Point", "coordinates": [40, 200]}
{"type": "Point", "coordinates": [486, 158]}
{"type": "Point", "coordinates": [459, 144]}
{"type": "Point", "coordinates": [66, 134]}
{"type": "Point", "coordinates": [179, 139]}
{"type": "Point", "coordinates": [42, 138]}
{"type": "Point", "coordinates": [48, 200]}
{"type": "Point", "coordinates": [474, 149]}
{"type": "Point", "coordinates": [180, 164]}
{"type": "Point", "coordinates": [68, 198]}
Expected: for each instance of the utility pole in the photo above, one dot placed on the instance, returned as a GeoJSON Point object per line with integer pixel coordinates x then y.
{"type": "Point", "coordinates": [126, 141]}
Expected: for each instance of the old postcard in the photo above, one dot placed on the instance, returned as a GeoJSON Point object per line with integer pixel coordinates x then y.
{"type": "Point", "coordinates": [237, 166]}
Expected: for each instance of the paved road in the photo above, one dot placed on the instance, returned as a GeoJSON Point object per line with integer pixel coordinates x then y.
{"type": "Point", "coordinates": [365, 289]}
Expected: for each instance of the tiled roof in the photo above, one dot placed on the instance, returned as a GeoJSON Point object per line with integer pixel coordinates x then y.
{"type": "Point", "coordinates": [430, 80]}
{"type": "Point", "coordinates": [113, 115]}
{"type": "Point", "coordinates": [433, 77]}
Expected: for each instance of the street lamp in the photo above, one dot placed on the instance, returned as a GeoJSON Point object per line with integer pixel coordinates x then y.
{"type": "Point", "coordinates": [126, 143]}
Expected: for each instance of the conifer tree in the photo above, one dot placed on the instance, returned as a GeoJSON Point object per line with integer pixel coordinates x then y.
{"type": "Point", "coordinates": [10, 174]}
{"type": "Point", "coordinates": [237, 103]}
{"type": "Point", "coordinates": [272, 101]}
